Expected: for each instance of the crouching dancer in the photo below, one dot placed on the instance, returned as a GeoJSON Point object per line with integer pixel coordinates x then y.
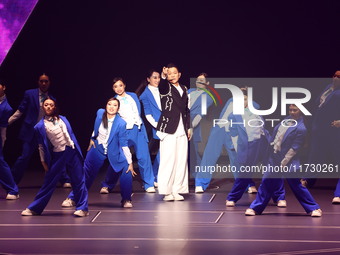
{"type": "Point", "coordinates": [286, 141]}
{"type": "Point", "coordinates": [58, 148]}
{"type": "Point", "coordinates": [109, 141]}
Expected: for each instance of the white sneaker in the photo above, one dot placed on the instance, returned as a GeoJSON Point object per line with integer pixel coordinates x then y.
{"type": "Point", "coordinates": [104, 190]}
{"type": "Point", "coordinates": [281, 203]}
{"type": "Point", "coordinates": [12, 197]}
{"type": "Point", "coordinates": [28, 212]}
{"type": "Point", "coordinates": [316, 213]}
{"type": "Point", "coordinates": [252, 190]}
{"type": "Point", "coordinates": [68, 203]}
{"type": "Point", "coordinates": [178, 197]}
{"type": "Point", "coordinates": [127, 204]}
{"type": "Point", "coordinates": [81, 213]}
{"type": "Point", "coordinates": [230, 203]}
{"type": "Point", "coordinates": [169, 197]}
{"type": "Point", "coordinates": [155, 184]}
{"type": "Point", "coordinates": [336, 200]}
{"type": "Point", "coordinates": [67, 185]}
{"type": "Point", "coordinates": [199, 189]}
{"type": "Point", "coordinates": [151, 190]}
{"type": "Point", "coordinates": [250, 212]}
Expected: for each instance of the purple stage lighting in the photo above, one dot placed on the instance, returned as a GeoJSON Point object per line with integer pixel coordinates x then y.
{"type": "Point", "coordinates": [13, 16]}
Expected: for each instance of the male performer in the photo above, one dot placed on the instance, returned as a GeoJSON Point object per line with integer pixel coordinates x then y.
{"type": "Point", "coordinates": [31, 108]}
{"type": "Point", "coordinates": [174, 133]}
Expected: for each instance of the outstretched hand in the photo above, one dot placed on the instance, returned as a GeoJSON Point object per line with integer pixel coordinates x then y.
{"type": "Point", "coordinates": [336, 123]}
{"type": "Point", "coordinates": [45, 166]}
{"type": "Point", "coordinates": [91, 144]}
{"type": "Point", "coordinates": [164, 72]}
{"type": "Point", "coordinates": [130, 169]}
{"type": "Point", "coordinates": [189, 133]}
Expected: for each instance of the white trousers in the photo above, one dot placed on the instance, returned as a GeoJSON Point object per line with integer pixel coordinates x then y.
{"type": "Point", "coordinates": [173, 167]}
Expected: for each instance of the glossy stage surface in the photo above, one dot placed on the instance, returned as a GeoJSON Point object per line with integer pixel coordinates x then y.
{"type": "Point", "coordinates": [199, 225]}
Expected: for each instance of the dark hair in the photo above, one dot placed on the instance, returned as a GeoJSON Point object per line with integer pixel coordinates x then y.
{"type": "Point", "coordinates": [244, 90]}
{"type": "Point", "coordinates": [172, 65]}
{"type": "Point", "coordinates": [104, 118]}
{"type": "Point", "coordinates": [302, 114]}
{"type": "Point", "coordinates": [203, 74]}
{"type": "Point", "coordinates": [3, 81]}
{"type": "Point", "coordinates": [44, 74]}
{"type": "Point", "coordinates": [118, 79]}
{"type": "Point", "coordinates": [151, 71]}
{"type": "Point", "coordinates": [145, 82]}
{"type": "Point", "coordinates": [56, 109]}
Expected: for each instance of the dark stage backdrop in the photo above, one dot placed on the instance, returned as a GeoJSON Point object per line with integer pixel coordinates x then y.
{"type": "Point", "coordinates": [82, 45]}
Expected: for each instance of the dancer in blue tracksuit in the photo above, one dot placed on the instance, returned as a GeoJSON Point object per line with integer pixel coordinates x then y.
{"type": "Point", "coordinates": [130, 111]}
{"type": "Point", "coordinates": [6, 178]}
{"type": "Point", "coordinates": [58, 148]}
{"type": "Point", "coordinates": [286, 140]}
{"type": "Point", "coordinates": [252, 142]}
{"type": "Point", "coordinates": [195, 106]}
{"type": "Point", "coordinates": [325, 135]}
{"type": "Point", "coordinates": [219, 137]}
{"type": "Point", "coordinates": [31, 110]}
{"type": "Point", "coordinates": [109, 141]}
{"type": "Point", "coordinates": [151, 102]}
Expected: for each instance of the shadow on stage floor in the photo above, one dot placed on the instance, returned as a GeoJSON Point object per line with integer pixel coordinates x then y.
{"type": "Point", "coordinates": [199, 225]}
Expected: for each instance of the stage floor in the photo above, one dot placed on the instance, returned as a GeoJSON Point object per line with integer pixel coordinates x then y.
{"type": "Point", "coordinates": [199, 225]}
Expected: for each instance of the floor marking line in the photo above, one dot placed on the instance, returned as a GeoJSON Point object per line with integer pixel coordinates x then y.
{"type": "Point", "coordinates": [219, 217]}
{"type": "Point", "coordinates": [212, 198]}
{"type": "Point", "coordinates": [118, 223]}
{"type": "Point", "coordinates": [166, 239]}
{"type": "Point", "coordinates": [302, 252]}
{"type": "Point", "coordinates": [96, 216]}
